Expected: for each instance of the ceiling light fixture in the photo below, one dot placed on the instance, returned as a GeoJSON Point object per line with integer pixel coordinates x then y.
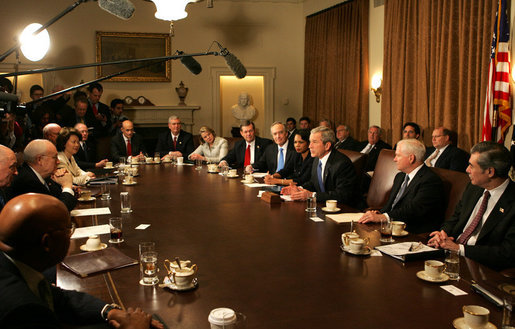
{"type": "Point", "coordinates": [34, 47]}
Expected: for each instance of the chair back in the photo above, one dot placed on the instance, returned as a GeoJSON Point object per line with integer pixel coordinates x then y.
{"type": "Point", "coordinates": [358, 160]}
{"type": "Point", "coordinates": [454, 183]}
{"type": "Point", "coordinates": [382, 180]}
{"type": "Point", "coordinates": [232, 140]}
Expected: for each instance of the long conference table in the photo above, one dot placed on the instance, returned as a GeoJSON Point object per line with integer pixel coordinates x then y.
{"type": "Point", "coordinates": [270, 262]}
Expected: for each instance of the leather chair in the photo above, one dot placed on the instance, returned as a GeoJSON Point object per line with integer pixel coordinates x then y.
{"type": "Point", "coordinates": [232, 140]}
{"type": "Point", "coordinates": [454, 183]}
{"type": "Point", "coordinates": [382, 180]}
{"type": "Point", "coordinates": [358, 160]}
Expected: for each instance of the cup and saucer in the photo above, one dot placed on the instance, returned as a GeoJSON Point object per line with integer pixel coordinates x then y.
{"type": "Point", "coordinates": [366, 251]}
{"type": "Point", "coordinates": [331, 206]}
{"type": "Point", "coordinates": [172, 286]}
{"type": "Point", "coordinates": [398, 229]}
{"type": "Point", "coordinates": [132, 182]}
{"type": "Point", "coordinates": [401, 234]}
{"type": "Point", "coordinates": [93, 244]}
{"type": "Point", "coordinates": [433, 272]}
{"type": "Point", "coordinates": [459, 323]}
{"type": "Point", "coordinates": [232, 176]}
{"type": "Point", "coordinates": [474, 317]}
{"type": "Point", "coordinates": [357, 246]}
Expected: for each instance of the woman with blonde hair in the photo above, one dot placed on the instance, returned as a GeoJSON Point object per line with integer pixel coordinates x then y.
{"type": "Point", "coordinates": [213, 148]}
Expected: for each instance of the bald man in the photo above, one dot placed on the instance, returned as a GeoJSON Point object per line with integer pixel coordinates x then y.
{"type": "Point", "coordinates": [86, 156]}
{"type": "Point", "coordinates": [50, 132]}
{"type": "Point", "coordinates": [35, 232]}
{"type": "Point", "coordinates": [7, 171]}
{"type": "Point", "coordinates": [128, 143]}
{"type": "Point", "coordinates": [38, 174]}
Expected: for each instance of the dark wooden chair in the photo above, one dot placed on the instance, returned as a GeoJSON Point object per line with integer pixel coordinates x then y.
{"type": "Point", "coordinates": [357, 159]}
{"type": "Point", "coordinates": [454, 183]}
{"type": "Point", "coordinates": [382, 180]}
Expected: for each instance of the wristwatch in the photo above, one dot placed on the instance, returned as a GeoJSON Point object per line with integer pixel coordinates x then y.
{"type": "Point", "coordinates": [108, 308]}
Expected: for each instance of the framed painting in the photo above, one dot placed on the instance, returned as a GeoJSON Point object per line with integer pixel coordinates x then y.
{"type": "Point", "coordinates": [116, 46]}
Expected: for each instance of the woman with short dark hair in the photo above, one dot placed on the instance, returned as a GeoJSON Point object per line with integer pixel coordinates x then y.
{"type": "Point", "coordinates": [68, 144]}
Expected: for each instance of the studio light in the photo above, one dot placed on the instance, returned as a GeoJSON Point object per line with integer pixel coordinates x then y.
{"type": "Point", "coordinates": [171, 10]}
{"type": "Point", "coordinates": [34, 47]}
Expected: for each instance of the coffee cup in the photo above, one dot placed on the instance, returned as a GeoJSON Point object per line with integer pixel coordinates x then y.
{"type": "Point", "coordinates": [398, 227]}
{"type": "Point", "coordinates": [171, 266]}
{"type": "Point", "coordinates": [183, 277]}
{"type": "Point", "coordinates": [149, 160]}
{"type": "Point", "coordinates": [475, 317]}
{"type": "Point", "coordinates": [93, 242]}
{"type": "Point", "coordinates": [348, 236]}
{"type": "Point", "coordinates": [249, 178]}
{"type": "Point", "coordinates": [233, 172]}
{"type": "Point", "coordinates": [129, 179]}
{"type": "Point", "coordinates": [222, 318]}
{"type": "Point", "coordinates": [134, 171]}
{"type": "Point", "coordinates": [212, 167]}
{"type": "Point", "coordinates": [157, 160]}
{"type": "Point", "coordinates": [434, 268]}
{"type": "Point", "coordinates": [85, 194]}
{"type": "Point", "coordinates": [180, 160]}
{"type": "Point", "coordinates": [134, 160]}
{"type": "Point", "coordinates": [109, 164]}
{"type": "Point", "coordinates": [357, 245]}
{"type": "Point", "coordinates": [331, 204]}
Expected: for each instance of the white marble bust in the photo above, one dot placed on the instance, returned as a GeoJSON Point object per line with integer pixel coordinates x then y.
{"type": "Point", "coordinates": [244, 110]}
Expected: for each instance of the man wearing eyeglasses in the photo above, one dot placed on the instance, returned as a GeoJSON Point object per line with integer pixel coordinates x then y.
{"type": "Point", "coordinates": [444, 154]}
{"type": "Point", "coordinates": [7, 171]}
{"type": "Point", "coordinates": [38, 174]}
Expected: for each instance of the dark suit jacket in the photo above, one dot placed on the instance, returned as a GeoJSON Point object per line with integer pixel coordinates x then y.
{"type": "Point", "coordinates": [100, 129]}
{"type": "Point", "coordinates": [340, 180]}
{"type": "Point", "coordinates": [118, 148]}
{"type": "Point", "coordinates": [20, 308]}
{"type": "Point", "coordinates": [184, 143]}
{"type": "Point", "coordinates": [452, 158]}
{"type": "Point", "coordinates": [268, 161]}
{"type": "Point", "coordinates": [301, 170]}
{"type": "Point", "coordinates": [27, 182]}
{"type": "Point", "coordinates": [348, 144]}
{"type": "Point", "coordinates": [236, 157]}
{"type": "Point", "coordinates": [291, 136]}
{"type": "Point", "coordinates": [88, 158]}
{"type": "Point", "coordinates": [422, 206]}
{"type": "Point", "coordinates": [495, 246]}
{"type": "Point", "coordinates": [374, 153]}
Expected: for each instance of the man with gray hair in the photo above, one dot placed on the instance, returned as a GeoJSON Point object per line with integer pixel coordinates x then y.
{"type": "Point", "coordinates": [7, 171]}
{"type": "Point", "coordinates": [50, 132]}
{"type": "Point", "coordinates": [483, 224]}
{"type": "Point", "coordinates": [345, 140]}
{"type": "Point", "coordinates": [38, 174]}
{"type": "Point", "coordinates": [176, 142]}
{"type": "Point", "coordinates": [278, 155]}
{"type": "Point", "coordinates": [333, 176]}
{"type": "Point", "coordinates": [417, 196]}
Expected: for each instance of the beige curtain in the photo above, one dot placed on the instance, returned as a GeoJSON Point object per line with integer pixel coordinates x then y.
{"type": "Point", "coordinates": [336, 66]}
{"type": "Point", "coordinates": [436, 57]}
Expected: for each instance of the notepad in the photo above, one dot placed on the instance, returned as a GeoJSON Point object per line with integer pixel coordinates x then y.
{"type": "Point", "coordinates": [87, 231]}
{"type": "Point", "coordinates": [90, 212]}
{"type": "Point", "coordinates": [89, 263]}
{"type": "Point", "coordinates": [346, 217]}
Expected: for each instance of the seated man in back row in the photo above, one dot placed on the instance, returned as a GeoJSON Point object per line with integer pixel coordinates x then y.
{"type": "Point", "coordinates": [35, 232]}
{"type": "Point", "coordinates": [333, 176]}
{"type": "Point", "coordinates": [443, 154]}
{"type": "Point", "coordinates": [175, 142]}
{"type": "Point", "coordinates": [417, 196]}
{"type": "Point", "coordinates": [277, 156]}
{"type": "Point", "coordinates": [483, 224]}
{"type": "Point", "coordinates": [128, 143]}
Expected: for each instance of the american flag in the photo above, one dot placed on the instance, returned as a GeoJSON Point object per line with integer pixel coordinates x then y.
{"type": "Point", "coordinates": [497, 114]}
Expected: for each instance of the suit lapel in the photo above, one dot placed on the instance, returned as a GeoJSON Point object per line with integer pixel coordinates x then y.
{"type": "Point", "coordinates": [502, 206]}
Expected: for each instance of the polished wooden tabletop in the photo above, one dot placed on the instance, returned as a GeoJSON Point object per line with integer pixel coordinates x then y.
{"type": "Point", "coordinates": [270, 262]}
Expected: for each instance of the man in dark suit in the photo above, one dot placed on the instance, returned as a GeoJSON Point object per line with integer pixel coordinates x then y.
{"type": "Point", "coordinates": [128, 143]}
{"type": "Point", "coordinates": [80, 113]}
{"type": "Point", "coordinates": [98, 110]}
{"type": "Point", "coordinates": [409, 130]}
{"type": "Point", "coordinates": [445, 155]}
{"type": "Point", "coordinates": [345, 140]}
{"type": "Point", "coordinates": [373, 147]}
{"type": "Point", "coordinates": [291, 126]}
{"type": "Point", "coordinates": [277, 156]}
{"type": "Point", "coordinates": [86, 157]}
{"type": "Point", "coordinates": [35, 232]}
{"type": "Point", "coordinates": [247, 151]}
{"type": "Point", "coordinates": [483, 224]}
{"type": "Point", "coordinates": [332, 174]}
{"type": "Point", "coordinates": [39, 175]}
{"type": "Point", "coordinates": [417, 196]}
{"type": "Point", "coordinates": [8, 169]}
{"type": "Point", "coordinates": [50, 132]}
{"type": "Point", "coordinates": [175, 142]}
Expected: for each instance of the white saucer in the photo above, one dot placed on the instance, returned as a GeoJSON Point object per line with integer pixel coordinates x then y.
{"type": "Point", "coordinates": [422, 275]}
{"type": "Point", "coordinates": [235, 176]}
{"type": "Point", "coordinates": [108, 167]}
{"type": "Point", "coordinates": [403, 233]}
{"type": "Point", "coordinates": [133, 183]}
{"type": "Point", "coordinates": [87, 200]}
{"type": "Point", "coordinates": [245, 182]}
{"type": "Point", "coordinates": [367, 251]}
{"type": "Point", "coordinates": [86, 248]}
{"type": "Point", "coordinates": [330, 210]}
{"type": "Point", "coordinates": [166, 161]}
{"type": "Point", "coordinates": [459, 323]}
{"type": "Point", "coordinates": [170, 285]}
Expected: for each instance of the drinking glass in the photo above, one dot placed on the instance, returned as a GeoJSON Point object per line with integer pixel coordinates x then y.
{"type": "Point", "coordinates": [157, 157]}
{"type": "Point", "coordinates": [452, 264]}
{"type": "Point", "coordinates": [106, 193]}
{"type": "Point", "coordinates": [115, 226]}
{"type": "Point", "coordinates": [386, 231]}
{"type": "Point", "coordinates": [508, 320]}
{"type": "Point", "coordinates": [125, 203]}
{"type": "Point", "coordinates": [148, 268]}
{"type": "Point", "coordinates": [122, 160]}
{"type": "Point", "coordinates": [198, 164]}
{"type": "Point", "coordinates": [311, 205]}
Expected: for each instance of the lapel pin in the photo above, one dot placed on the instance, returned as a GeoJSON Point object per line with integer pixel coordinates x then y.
{"type": "Point", "coordinates": [501, 210]}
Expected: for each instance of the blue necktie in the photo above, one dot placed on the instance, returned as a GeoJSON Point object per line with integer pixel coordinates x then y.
{"type": "Point", "coordinates": [319, 174]}
{"type": "Point", "coordinates": [401, 191]}
{"type": "Point", "coordinates": [280, 163]}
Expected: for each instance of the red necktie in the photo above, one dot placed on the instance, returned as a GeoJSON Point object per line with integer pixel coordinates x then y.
{"type": "Point", "coordinates": [175, 143]}
{"type": "Point", "coordinates": [247, 157]}
{"type": "Point", "coordinates": [465, 236]}
{"type": "Point", "coordinates": [95, 111]}
{"type": "Point", "coordinates": [129, 148]}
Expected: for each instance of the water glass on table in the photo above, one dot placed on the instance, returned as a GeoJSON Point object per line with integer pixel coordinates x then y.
{"type": "Point", "coordinates": [116, 229]}
{"type": "Point", "coordinates": [386, 231]}
{"type": "Point", "coordinates": [148, 268]}
{"type": "Point", "coordinates": [125, 203]}
{"type": "Point", "coordinates": [198, 164]}
{"type": "Point", "coordinates": [452, 264]}
{"type": "Point", "coordinates": [106, 193]}
{"type": "Point", "coordinates": [311, 204]}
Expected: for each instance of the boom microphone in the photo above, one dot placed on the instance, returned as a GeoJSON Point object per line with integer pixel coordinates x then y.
{"type": "Point", "coordinates": [234, 63]}
{"type": "Point", "coordinates": [191, 63]}
{"type": "Point", "coordinates": [123, 9]}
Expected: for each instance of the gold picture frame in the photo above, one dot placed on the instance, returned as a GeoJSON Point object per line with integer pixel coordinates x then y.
{"type": "Point", "coordinates": [115, 46]}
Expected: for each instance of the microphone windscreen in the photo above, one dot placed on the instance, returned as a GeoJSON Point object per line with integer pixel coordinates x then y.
{"type": "Point", "coordinates": [235, 65]}
{"type": "Point", "coordinates": [191, 64]}
{"type": "Point", "coordinates": [123, 9]}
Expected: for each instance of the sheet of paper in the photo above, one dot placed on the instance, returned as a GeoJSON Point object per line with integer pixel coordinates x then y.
{"type": "Point", "coordinates": [185, 164]}
{"type": "Point", "coordinates": [142, 226]}
{"type": "Point", "coordinates": [453, 290]}
{"type": "Point", "coordinates": [259, 174]}
{"type": "Point", "coordinates": [257, 185]}
{"type": "Point", "coordinates": [90, 212]}
{"type": "Point", "coordinates": [346, 217]}
{"type": "Point", "coordinates": [316, 219]}
{"type": "Point", "coordinates": [376, 253]}
{"type": "Point", "coordinates": [84, 232]}
{"type": "Point", "coordinates": [403, 248]}
{"type": "Point", "coordinates": [286, 197]}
